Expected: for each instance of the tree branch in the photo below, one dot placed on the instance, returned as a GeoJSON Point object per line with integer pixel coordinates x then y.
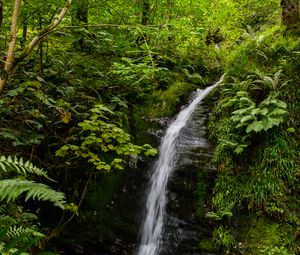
{"type": "Point", "coordinates": [8, 67]}
{"type": "Point", "coordinates": [42, 33]}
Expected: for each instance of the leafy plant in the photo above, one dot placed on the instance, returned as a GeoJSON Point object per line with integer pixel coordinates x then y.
{"type": "Point", "coordinates": [140, 75]}
{"type": "Point", "coordinates": [223, 238]}
{"type": "Point", "coordinates": [269, 113]}
{"type": "Point", "coordinates": [281, 250]}
{"type": "Point", "coordinates": [104, 143]}
{"type": "Point", "coordinates": [13, 164]}
{"type": "Point", "coordinates": [11, 189]}
{"type": "Point", "coordinates": [18, 230]}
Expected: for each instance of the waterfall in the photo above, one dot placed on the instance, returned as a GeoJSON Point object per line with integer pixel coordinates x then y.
{"type": "Point", "coordinates": [152, 227]}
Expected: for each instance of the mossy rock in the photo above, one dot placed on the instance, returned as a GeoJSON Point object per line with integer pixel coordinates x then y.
{"type": "Point", "coordinates": [161, 103]}
{"type": "Point", "coordinates": [206, 245]}
{"type": "Point", "coordinates": [258, 234]}
{"type": "Point", "coordinates": [166, 103]}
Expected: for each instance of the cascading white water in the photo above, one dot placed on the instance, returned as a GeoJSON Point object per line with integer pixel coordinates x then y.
{"type": "Point", "coordinates": [155, 206]}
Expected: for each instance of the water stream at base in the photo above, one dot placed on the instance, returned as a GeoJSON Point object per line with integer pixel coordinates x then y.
{"type": "Point", "coordinates": [152, 227]}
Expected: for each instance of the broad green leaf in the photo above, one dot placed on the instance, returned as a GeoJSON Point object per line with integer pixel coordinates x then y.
{"type": "Point", "coordinates": [246, 118]}
{"type": "Point", "coordinates": [277, 112]}
{"type": "Point", "coordinates": [255, 126]}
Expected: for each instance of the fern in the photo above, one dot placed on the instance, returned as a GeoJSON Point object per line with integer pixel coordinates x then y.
{"type": "Point", "coordinates": [11, 189]}
{"type": "Point", "coordinates": [269, 113]}
{"type": "Point", "coordinates": [19, 239]}
{"type": "Point", "coordinates": [5, 222]}
{"type": "Point", "coordinates": [23, 238]}
{"type": "Point", "coordinates": [15, 231]}
{"type": "Point", "coordinates": [8, 164]}
{"type": "Point", "coordinates": [18, 233]}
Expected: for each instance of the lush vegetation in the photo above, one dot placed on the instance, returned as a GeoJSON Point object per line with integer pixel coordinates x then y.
{"type": "Point", "coordinates": [80, 81]}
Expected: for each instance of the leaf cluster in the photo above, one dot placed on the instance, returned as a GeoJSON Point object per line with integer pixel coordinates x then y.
{"type": "Point", "coordinates": [104, 143]}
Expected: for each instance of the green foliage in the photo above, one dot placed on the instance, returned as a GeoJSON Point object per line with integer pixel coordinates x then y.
{"type": "Point", "coordinates": [112, 64]}
{"type": "Point", "coordinates": [19, 230]}
{"type": "Point", "coordinates": [229, 193]}
{"type": "Point", "coordinates": [253, 130]}
{"type": "Point", "coordinates": [223, 238]}
{"type": "Point", "coordinates": [8, 164]}
{"type": "Point", "coordinates": [103, 143]}
{"type": "Point", "coordinates": [11, 189]}
{"type": "Point", "coordinates": [281, 250]}
{"type": "Point", "coordinates": [141, 72]}
{"type": "Point", "coordinates": [269, 113]}
{"type": "Point", "coordinates": [165, 102]}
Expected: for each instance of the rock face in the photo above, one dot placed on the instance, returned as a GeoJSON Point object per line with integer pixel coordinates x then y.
{"type": "Point", "coordinates": [183, 230]}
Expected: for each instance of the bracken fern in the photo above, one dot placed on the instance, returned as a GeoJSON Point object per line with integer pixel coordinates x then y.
{"type": "Point", "coordinates": [18, 232]}
{"type": "Point", "coordinates": [11, 189]}
{"type": "Point", "coordinates": [8, 164]}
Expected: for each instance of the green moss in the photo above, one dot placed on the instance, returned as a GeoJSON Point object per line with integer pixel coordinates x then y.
{"type": "Point", "coordinates": [165, 103]}
{"type": "Point", "coordinates": [161, 103]}
{"type": "Point", "coordinates": [206, 245]}
{"type": "Point", "coordinates": [260, 236]}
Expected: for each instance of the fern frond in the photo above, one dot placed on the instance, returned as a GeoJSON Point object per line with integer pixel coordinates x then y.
{"type": "Point", "coordinates": [8, 164]}
{"type": "Point", "coordinates": [2, 209]}
{"type": "Point", "coordinates": [2, 246]}
{"type": "Point", "coordinates": [11, 189]}
{"type": "Point", "coordinates": [22, 238]}
{"type": "Point", "coordinates": [5, 222]}
{"type": "Point", "coordinates": [16, 231]}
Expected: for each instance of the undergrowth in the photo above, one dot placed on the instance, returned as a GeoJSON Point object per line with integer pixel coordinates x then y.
{"type": "Point", "coordinates": [255, 126]}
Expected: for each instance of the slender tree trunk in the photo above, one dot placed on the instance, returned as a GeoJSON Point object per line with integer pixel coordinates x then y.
{"type": "Point", "coordinates": [145, 12]}
{"type": "Point", "coordinates": [81, 13]}
{"type": "Point", "coordinates": [24, 34]}
{"type": "Point", "coordinates": [1, 13]}
{"type": "Point", "coordinates": [41, 51]}
{"type": "Point", "coordinates": [11, 63]}
{"type": "Point", "coordinates": [80, 17]}
{"type": "Point", "coordinates": [290, 13]}
{"type": "Point", "coordinates": [8, 67]}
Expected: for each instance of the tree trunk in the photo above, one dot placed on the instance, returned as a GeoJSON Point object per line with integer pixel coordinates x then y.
{"type": "Point", "coordinates": [81, 12]}
{"type": "Point", "coordinates": [11, 63]}
{"type": "Point", "coordinates": [41, 50]}
{"type": "Point", "coordinates": [145, 12]}
{"type": "Point", "coordinates": [1, 13]}
{"type": "Point", "coordinates": [8, 67]}
{"type": "Point", "coordinates": [79, 18]}
{"type": "Point", "coordinates": [290, 13]}
{"type": "Point", "coordinates": [24, 34]}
